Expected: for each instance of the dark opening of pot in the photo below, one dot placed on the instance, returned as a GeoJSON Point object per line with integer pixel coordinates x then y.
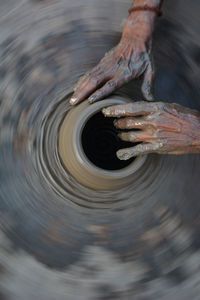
{"type": "Point", "coordinates": [100, 143]}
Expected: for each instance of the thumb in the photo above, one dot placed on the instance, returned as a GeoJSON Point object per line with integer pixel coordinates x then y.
{"type": "Point", "coordinates": [147, 85]}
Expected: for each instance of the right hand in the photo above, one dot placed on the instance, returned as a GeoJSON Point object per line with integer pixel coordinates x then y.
{"type": "Point", "coordinates": [158, 127]}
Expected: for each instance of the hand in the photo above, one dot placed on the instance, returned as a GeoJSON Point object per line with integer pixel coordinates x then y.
{"type": "Point", "coordinates": [128, 60]}
{"type": "Point", "coordinates": [164, 128]}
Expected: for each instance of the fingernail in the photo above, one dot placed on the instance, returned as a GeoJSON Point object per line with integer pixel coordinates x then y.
{"type": "Point", "coordinates": [123, 155]}
{"type": "Point", "coordinates": [73, 101]}
{"type": "Point", "coordinates": [120, 135]}
{"type": "Point", "coordinates": [75, 87]}
{"type": "Point", "coordinates": [91, 99]}
{"type": "Point", "coordinates": [106, 111]}
{"type": "Point", "coordinates": [115, 123]}
{"type": "Point", "coordinates": [150, 98]}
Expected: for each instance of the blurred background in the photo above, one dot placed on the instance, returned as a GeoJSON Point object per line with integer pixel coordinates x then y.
{"type": "Point", "coordinates": [58, 239]}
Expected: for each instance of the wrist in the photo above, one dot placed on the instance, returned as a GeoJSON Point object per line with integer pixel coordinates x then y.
{"type": "Point", "coordinates": [140, 25]}
{"type": "Point", "coordinates": [140, 22]}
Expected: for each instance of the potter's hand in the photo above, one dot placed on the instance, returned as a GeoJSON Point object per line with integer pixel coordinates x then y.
{"type": "Point", "coordinates": [163, 128]}
{"type": "Point", "coordinates": [129, 59]}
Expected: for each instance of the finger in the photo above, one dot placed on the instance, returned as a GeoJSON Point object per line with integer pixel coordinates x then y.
{"type": "Point", "coordinates": [96, 71]}
{"type": "Point", "coordinates": [144, 148]}
{"type": "Point", "coordinates": [134, 137]}
{"type": "Point", "coordinates": [97, 76]}
{"type": "Point", "coordinates": [106, 90]}
{"type": "Point", "coordinates": [130, 123]}
{"type": "Point", "coordinates": [79, 82]}
{"type": "Point", "coordinates": [86, 88]}
{"type": "Point", "coordinates": [147, 86]}
{"type": "Point", "coordinates": [132, 109]}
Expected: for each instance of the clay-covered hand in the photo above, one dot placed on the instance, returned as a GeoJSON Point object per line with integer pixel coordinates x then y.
{"type": "Point", "coordinates": [128, 60]}
{"type": "Point", "coordinates": [159, 127]}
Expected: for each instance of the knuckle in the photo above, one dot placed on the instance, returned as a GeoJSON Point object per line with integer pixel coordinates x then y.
{"type": "Point", "coordinates": [86, 74]}
{"type": "Point", "coordinates": [112, 84]}
{"type": "Point", "coordinates": [96, 69]}
{"type": "Point", "coordinates": [131, 107]}
{"type": "Point", "coordinates": [156, 134]}
{"type": "Point", "coordinates": [150, 118]}
{"type": "Point", "coordinates": [141, 147]}
{"type": "Point", "coordinates": [81, 79]}
{"type": "Point", "coordinates": [151, 71]}
{"type": "Point", "coordinates": [98, 80]}
{"type": "Point", "coordinates": [157, 146]}
{"type": "Point", "coordinates": [154, 122]}
{"type": "Point", "coordinates": [127, 74]}
{"type": "Point", "coordinates": [160, 106]}
{"type": "Point", "coordinates": [132, 136]}
{"type": "Point", "coordinates": [129, 123]}
{"type": "Point", "coordinates": [164, 142]}
{"type": "Point", "coordinates": [161, 144]}
{"type": "Point", "coordinates": [140, 123]}
{"type": "Point", "coordinates": [93, 81]}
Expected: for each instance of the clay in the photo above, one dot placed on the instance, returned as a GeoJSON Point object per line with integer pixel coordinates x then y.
{"type": "Point", "coordinates": [75, 159]}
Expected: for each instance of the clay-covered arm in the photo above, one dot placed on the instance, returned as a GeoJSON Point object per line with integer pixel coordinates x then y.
{"type": "Point", "coordinates": [130, 59]}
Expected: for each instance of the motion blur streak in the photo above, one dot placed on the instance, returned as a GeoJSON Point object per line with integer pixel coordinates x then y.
{"type": "Point", "coordinates": [58, 239]}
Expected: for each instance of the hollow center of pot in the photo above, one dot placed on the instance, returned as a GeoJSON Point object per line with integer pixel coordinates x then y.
{"type": "Point", "coordinates": [100, 142]}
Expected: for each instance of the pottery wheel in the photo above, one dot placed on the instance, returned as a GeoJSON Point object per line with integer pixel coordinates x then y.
{"type": "Point", "coordinates": [74, 235]}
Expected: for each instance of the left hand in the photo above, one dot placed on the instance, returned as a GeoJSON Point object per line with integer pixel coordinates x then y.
{"type": "Point", "coordinates": [130, 59]}
{"type": "Point", "coordinates": [164, 128]}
